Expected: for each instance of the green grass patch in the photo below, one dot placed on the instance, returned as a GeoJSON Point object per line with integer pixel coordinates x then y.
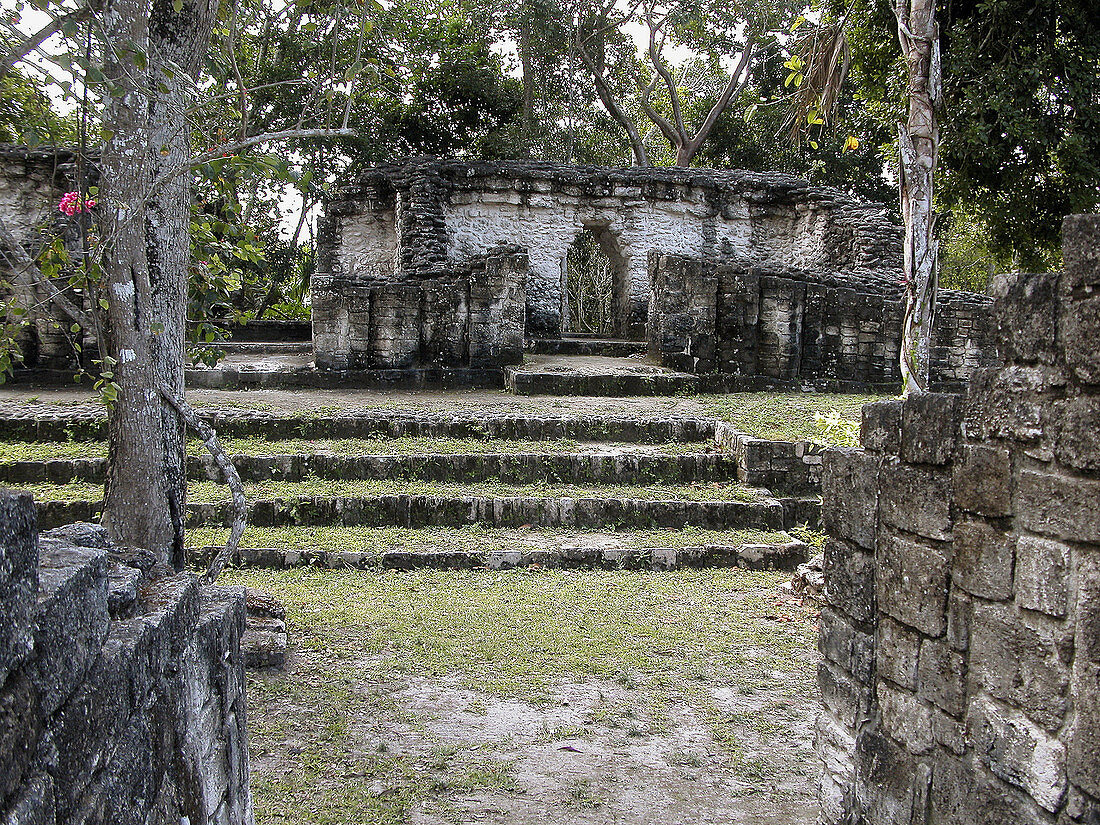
{"type": "Point", "coordinates": [789, 416]}
{"type": "Point", "coordinates": [324, 738]}
{"type": "Point", "coordinates": [206, 491]}
{"type": "Point", "coordinates": [52, 450]}
{"type": "Point", "coordinates": [516, 634]}
{"type": "Point", "coordinates": [472, 538]}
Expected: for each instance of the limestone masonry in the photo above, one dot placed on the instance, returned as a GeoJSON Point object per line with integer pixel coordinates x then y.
{"type": "Point", "coordinates": [121, 696]}
{"type": "Point", "coordinates": [961, 640]}
{"type": "Point", "coordinates": [445, 263]}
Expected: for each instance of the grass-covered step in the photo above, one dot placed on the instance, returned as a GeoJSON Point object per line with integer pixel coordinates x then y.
{"type": "Point", "coordinates": [84, 424]}
{"type": "Point", "coordinates": [609, 465]}
{"type": "Point", "coordinates": [418, 503]}
{"type": "Point", "coordinates": [24, 451]}
{"type": "Point", "coordinates": [479, 546]}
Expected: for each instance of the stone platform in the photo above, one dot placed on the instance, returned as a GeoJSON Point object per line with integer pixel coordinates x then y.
{"type": "Point", "coordinates": [595, 375]}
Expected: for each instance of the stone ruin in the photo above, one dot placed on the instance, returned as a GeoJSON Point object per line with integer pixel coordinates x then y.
{"type": "Point", "coordinates": [32, 182]}
{"type": "Point", "coordinates": [450, 269]}
{"type": "Point", "coordinates": [761, 276]}
{"type": "Point", "coordinates": [961, 639]}
{"type": "Point", "coordinates": [121, 694]}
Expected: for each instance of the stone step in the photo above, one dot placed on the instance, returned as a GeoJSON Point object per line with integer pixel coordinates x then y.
{"type": "Point", "coordinates": [410, 510]}
{"type": "Point", "coordinates": [259, 347]}
{"type": "Point", "coordinates": [784, 556]}
{"type": "Point", "coordinates": [631, 379]}
{"type": "Point", "coordinates": [297, 372]}
{"type": "Point", "coordinates": [87, 425]}
{"type": "Point", "coordinates": [570, 345]}
{"type": "Point", "coordinates": [512, 468]}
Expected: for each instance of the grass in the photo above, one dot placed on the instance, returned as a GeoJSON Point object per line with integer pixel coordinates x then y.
{"type": "Point", "coordinates": [52, 450]}
{"type": "Point", "coordinates": [207, 491]}
{"type": "Point", "coordinates": [471, 538]}
{"type": "Point", "coordinates": [788, 416]}
{"type": "Point", "coordinates": [361, 636]}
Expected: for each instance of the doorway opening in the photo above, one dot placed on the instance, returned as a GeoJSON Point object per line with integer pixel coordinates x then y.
{"type": "Point", "coordinates": [596, 287]}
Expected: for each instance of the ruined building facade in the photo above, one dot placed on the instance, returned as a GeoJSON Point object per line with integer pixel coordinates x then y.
{"type": "Point", "coordinates": [961, 673]}
{"type": "Point", "coordinates": [446, 263]}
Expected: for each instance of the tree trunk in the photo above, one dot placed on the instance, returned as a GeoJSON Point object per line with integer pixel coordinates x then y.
{"type": "Point", "coordinates": [147, 267]}
{"type": "Point", "coordinates": [918, 146]}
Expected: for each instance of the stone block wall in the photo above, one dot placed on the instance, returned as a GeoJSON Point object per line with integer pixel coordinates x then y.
{"type": "Point", "coordinates": [960, 678]}
{"type": "Point", "coordinates": [31, 185]}
{"type": "Point", "coordinates": [418, 219]}
{"type": "Point", "coordinates": [791, 327]}
{"type": "Point", "coordinates": [468, 317]}
{"type": "Point", "coordinates": [121, 696]}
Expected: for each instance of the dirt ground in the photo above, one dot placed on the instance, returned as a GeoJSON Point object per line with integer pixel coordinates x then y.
{"type": "Point", "coordinates": [488, 401]}
{"type": "Point", "coordinates": [721, 735]}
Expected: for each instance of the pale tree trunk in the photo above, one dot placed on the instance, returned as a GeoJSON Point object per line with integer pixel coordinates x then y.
{"type": "Point", "coordinates": [918, 146]}
{"type": "Point", "coordinates": [147, 266]}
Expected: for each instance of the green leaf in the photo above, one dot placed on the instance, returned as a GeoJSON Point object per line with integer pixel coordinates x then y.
{"type": "Point", "coordinates": [177, 6]}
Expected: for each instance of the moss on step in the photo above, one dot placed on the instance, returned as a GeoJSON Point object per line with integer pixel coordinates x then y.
{"type": "Point", "coordinates": [203, 491]}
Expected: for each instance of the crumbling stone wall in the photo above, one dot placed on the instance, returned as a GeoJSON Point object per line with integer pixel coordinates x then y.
{"type": "Point", "coordinates": [121, 697]}
{"type": "Point", "coordinates": [417, 220]}
{"type": "Point", "coordinates": [795, 327]}
{"type": "Point", "coordinates": [469, 317]}
{"type": "Point", "coordinates": [961, 640]}
{"type": "Point", "coordinates": [31, 184]}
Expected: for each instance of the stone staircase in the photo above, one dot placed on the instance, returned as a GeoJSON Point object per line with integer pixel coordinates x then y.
{"type": "Point", "coordinates": [598, 479]}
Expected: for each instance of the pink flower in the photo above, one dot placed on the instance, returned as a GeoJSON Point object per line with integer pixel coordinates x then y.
{"type": "Point", "coordinates": [71, 204]}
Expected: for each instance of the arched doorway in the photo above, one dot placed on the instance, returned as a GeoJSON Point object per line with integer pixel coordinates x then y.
{"type": "Point", "coordinates": [596, 290]}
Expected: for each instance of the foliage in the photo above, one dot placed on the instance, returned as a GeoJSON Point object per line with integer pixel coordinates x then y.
{"type": "Point", "coordinates": [1021, 137]}
{"type": "Point", "coordinates": [1020, 133]}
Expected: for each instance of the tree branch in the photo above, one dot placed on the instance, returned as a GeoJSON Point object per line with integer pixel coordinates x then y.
{"type": "Point", "coordinates": [603, 90]}
{"type": "Point", "coordinates": [25, 271]}
{"type": "Point", "coordinates": [240, 504]}
{"type": "Point", "coordinates": [33, 41]}
{"type": "Point", "coordinates": [654, 52]}
{"type": "Point", "coordinates": [735, 86]}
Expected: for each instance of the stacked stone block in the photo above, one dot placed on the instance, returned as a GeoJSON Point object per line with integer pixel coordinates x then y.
{"type": "Point", "coordinates": [682, 306]}
{"type": "Point", "coordinates": [961, 640]}
{"type": "Point", "coordinates": [121, 697]}
{"type": "Point", "coordinates": [472, 317]}
{"type": "Point", "coordinates": [417, 220]}
{"type": "Point", "coordinates": [31, 185]}
{"type": "Point", "coordinates": [798, 328]}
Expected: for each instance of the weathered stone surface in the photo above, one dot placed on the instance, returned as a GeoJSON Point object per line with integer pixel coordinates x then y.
{"type": "Point", "coordinates": [1042, 567]}
{"type": "Point", "coordinates": [908, 720]}
{"type": "Point", "coordinates": [847, 700]}
{"type": "Point", "coordinates": [835, 747]}
{"type": "Point", "coordinates": [1078, 443]}
{"type": "Point", "coordinates": [1059, 506]}
{"type": "Point", "coordinates": [982, 481]}
{"type": "Point", "coordinates": [1019, 664]}
{"type": "Point", "coordinates": [1079, 291]}
{"type": "Point", "coordinates": [118, 718]}
{"type": "Point", "coordinates": [880, 427]}
{"type": "Point", "coordinates": [942, 677]}
{"type": "Point", "coordinates": [1019, 752]}
{"type": "Point", "coordinates": [848, 511]}
{"type": "Point", "coordinates": [983, 560]}
{"type": "Point", "coordinates": [1084, 735]}
{"type": "Point", "coordinates": [848, 647]}
{"type": "Point", "coordinates": [987, 609]}
{"type": "Point", "coordinates": [850, 579]}
{"type": "Point", "coordinates": [928, 425]}
{"type": "Point", "coordinates": [897, 649]}
{"type": "Point", "coordinates": [916, 499]}
{"type": "Point", "coordinates": [18, 579]}
{"type": "Point", "coordinates": [911, 581]}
